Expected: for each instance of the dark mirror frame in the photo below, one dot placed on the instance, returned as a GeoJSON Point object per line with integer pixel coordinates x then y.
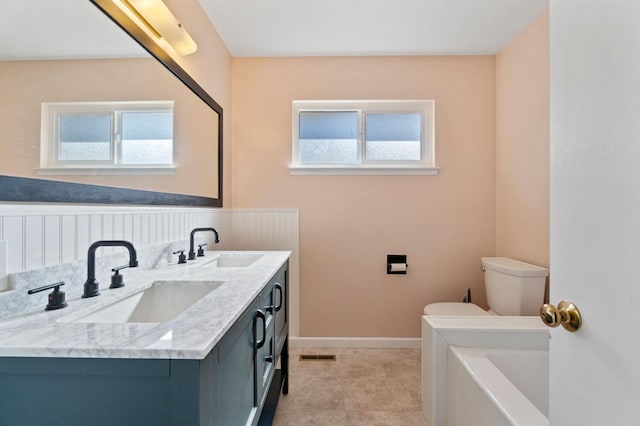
{"type": "Point", "coordinates": [16, 189]}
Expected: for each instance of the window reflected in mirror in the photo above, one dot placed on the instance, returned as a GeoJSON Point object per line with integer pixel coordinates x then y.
{"type": "Point", "coordinates": [107, 135]}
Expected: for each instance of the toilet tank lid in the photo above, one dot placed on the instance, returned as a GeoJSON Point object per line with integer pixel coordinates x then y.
{"type": "Point", "coordinates": [514, 267]}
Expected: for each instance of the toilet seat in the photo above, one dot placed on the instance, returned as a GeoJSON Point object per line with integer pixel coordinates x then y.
{"type": "Point", "coordinates": [456, 309]}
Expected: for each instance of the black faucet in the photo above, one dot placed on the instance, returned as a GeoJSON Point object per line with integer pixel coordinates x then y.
{"type": "Point", "coordinates": [192, 252]}
{"type": "Point", "coordinates": [91, 285]}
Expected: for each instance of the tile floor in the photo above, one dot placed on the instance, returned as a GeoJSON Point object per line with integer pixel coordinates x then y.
{"type": "Point", "coordinates": [373, 387]}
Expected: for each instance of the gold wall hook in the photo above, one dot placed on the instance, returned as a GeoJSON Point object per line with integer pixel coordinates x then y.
{"type": "Point", "coordinates": [566, 314]}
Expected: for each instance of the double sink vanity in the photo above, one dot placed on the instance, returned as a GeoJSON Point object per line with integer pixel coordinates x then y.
{"type": "Point", "coordinates": [201, 343]}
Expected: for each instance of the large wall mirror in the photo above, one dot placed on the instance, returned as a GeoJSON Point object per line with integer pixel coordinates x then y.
{"type": "Point", "coordinates": [69, 51]}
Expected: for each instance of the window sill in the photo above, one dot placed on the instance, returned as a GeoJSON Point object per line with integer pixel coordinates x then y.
{"type": "Point", "coordinates": [107, 171]}
{"type": "Point", "coordinates": [364, 170]}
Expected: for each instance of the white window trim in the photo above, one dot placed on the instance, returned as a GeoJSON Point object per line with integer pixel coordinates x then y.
{"type": "Point", "coordinates": [107, 171]}
{"type": "Point", "coordinates": [426, 166]}
{"type": "Point", "coordinates": [50, 111]}
{"type": "Point", "coordinates": [363, 170]}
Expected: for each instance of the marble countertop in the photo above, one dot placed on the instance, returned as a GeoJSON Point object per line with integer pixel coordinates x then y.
{"type": "Point", "coordinates": [190, 335]}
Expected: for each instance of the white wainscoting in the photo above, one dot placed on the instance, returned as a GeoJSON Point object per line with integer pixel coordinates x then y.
{"type": "Point", "coordinates": [35, 236]}
{"type": "Point", "coordinates": [272, 230]}
{"type": "Point", "coordinates": [39, 236]}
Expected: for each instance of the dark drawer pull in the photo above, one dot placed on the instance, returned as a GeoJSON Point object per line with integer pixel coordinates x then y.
{"type": "Point", "coordinates": [281, 291]}
{"type": "Point", "coordinates": [261, 315]}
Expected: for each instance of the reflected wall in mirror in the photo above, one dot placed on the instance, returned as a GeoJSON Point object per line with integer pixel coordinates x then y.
{"type": "Point", "coordinates": [95, 61]}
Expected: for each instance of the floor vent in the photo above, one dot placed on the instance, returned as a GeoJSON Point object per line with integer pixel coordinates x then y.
{"type": "Point", "coordinates": [317, 357]}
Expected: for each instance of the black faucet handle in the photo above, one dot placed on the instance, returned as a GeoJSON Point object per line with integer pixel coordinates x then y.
{"type": "Point", "coordinates": [118, 268]}
{"type": "Point", "coordinates": [181, 256]}
{"type": "Point", "coordinates": [201, 250]}
{"type": "Point", "coordinates": [117, 280]}
{"type": "Point", "coordinates": [45, 287]}
{"type": "Point", "coordinates": [56, 297]}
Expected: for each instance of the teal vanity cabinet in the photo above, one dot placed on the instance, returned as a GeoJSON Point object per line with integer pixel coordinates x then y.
{"type": "Point", "coordinates": [107, 392]}
{"type": "Point", "coordinates": [237, 383]}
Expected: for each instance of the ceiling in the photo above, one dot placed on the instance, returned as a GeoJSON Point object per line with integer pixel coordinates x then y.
{"type": "Point", "coordinates": [46, 29]}
{"type": "Point", "coordinates": [281, 27]}
{"type": "Point", "coordinates": [369, 27]}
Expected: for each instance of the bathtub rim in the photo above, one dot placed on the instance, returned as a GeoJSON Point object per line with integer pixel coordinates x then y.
{"type": "Point", "coordinates": [492, 381]}
{"type": "Point", "coordinates": [440, 331]}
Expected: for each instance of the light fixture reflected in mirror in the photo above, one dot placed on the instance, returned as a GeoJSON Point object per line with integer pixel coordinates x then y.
{"type": "Point", "coordinates": [155, 18]}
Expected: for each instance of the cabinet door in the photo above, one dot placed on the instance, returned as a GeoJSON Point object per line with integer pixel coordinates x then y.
{"type": "Point", "coordinates": [236, 373]}
{"type": "Point", "coordinates": [209, 393]}
{"type": "Point", "coordinates": [281, 311]}
{"type": "Point", "coordinates": [265, 355]}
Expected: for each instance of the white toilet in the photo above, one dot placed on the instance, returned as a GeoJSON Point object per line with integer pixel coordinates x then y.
{"type": "Point", "coordinates": [513, 288]}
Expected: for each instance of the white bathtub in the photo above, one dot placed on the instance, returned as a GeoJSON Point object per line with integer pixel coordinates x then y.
{"type": "Point", "coordinates": [496, 387]}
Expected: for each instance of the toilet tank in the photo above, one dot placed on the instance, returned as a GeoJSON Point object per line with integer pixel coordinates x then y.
{"type": "Point", "coordinates": [514, 287]}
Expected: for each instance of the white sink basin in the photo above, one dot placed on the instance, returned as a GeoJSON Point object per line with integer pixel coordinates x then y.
{"type": "Point", "coordinates": [158, 303]}
{"type": "Point", "coordinates": [232, 260]}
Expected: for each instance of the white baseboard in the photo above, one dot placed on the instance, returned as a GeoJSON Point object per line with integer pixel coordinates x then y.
{"type": "Point", "coordinates": [356, 342]}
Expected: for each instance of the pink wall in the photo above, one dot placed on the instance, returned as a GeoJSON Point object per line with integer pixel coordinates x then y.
{"type": "Point", "coordinates": [522, 146]}
{"type": "Point", "coordinates": [348, 224]}
{"type": "Point", "coordinates": [210, 66]}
